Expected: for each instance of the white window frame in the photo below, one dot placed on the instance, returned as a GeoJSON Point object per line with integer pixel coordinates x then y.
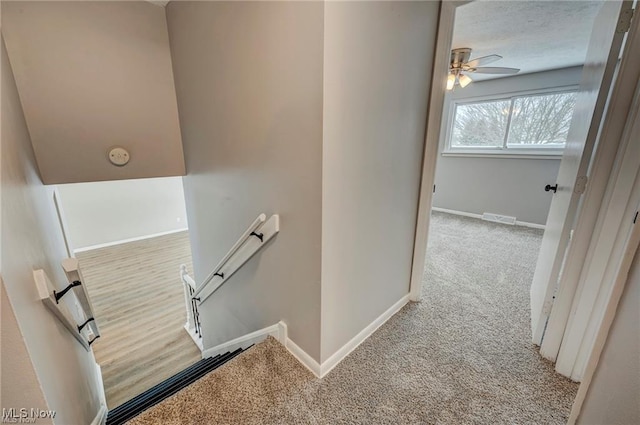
{"type": "Point", "coordinates": [538, 152]}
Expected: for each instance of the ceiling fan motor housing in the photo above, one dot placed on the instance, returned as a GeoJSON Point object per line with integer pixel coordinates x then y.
{"type": "Point", "coordinates": [460, 57]}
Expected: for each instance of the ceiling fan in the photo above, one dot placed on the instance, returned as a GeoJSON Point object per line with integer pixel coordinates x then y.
{"type": "Point", "coordinates": [461, 65]}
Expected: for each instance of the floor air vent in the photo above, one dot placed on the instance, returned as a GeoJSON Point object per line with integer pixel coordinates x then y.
{"type": "Point", "coordinates": [497, 218]}
{"type": "Point", "coordinates": [156, 394]}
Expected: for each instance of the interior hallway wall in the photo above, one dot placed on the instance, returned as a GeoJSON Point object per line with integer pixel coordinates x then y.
{"type": "Point", "coordinates": [249, 86]}
{"type": "Point", "coordinates": [614, 395]}
{"type": "Point", "coordinates": [19, 387]}
{"type": "Point", "coordinates": [508, 186]}
{"type": "Point", "coordinates": [92, 75]}
{"type": "Point", "coordinates": [106, 212]}
{"type": "Point", "coordinates": [377, 70]}
{"type": "Point", "coordinates": [32, 239]}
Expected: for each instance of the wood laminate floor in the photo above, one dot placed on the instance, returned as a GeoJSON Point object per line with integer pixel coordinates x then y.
{"type": "Point", "coordinates": [139, 305]}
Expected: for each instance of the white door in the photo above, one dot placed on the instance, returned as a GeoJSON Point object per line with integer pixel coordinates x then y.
{"type": "Point", "coordinates": [597, 75]}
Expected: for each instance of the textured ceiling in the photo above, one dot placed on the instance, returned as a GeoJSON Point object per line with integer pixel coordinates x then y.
{"type": "Point", "coordinates": [530, 35]}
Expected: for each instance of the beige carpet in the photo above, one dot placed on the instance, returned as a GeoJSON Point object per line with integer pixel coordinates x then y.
{"type": "Point", "coordinates": [461, 356]}
{"type": "Point", "coordinates": [139, 304]}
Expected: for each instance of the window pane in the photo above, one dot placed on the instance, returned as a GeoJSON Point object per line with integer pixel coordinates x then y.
{"type": "Point", "coordinates": [480, 124]}
{"type": "Point", "coordinates": [541, 120]}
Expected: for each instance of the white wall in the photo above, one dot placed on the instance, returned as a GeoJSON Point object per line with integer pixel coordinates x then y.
{"type": "Point", "coordinates": [19, 387]}
{"type": "Point", "coordinates": [31, 239]}
{"type": "Point", "coordinates": [249, 87]}
{"type": "Point", "coordinates": [92, 75]}
{"type": "Point", "coordinates": [614, 394]}
{"type": "Point", "coordinates": [508, 186]}
{"type": "Point", "coordinates": [377, 71]}
{"type": "Point", "coordinates": [104, 212]}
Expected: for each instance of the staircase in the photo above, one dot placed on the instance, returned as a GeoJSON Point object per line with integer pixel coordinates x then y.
{"type": "Point", "coordinates": [156, 394]}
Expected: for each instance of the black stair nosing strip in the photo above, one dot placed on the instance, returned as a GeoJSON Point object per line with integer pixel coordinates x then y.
{"type": "Point", "coordinates": [193, 368]}
{"type": "Point", "coordinates": [152, 399]}
{"type": "Point", "coordinates": [190, 369]}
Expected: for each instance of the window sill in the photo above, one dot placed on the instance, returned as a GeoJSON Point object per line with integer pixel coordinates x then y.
{"type": "Point", "coordinates": [504, 154]}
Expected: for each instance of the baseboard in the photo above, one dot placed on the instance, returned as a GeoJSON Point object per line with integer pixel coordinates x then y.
{"type": "Point", "coordinates": [479, 217]}
{"type": "Point", "coordinates": [304, 358]}
{"type": "Point", "coordinates": [194, 337]}
{"type": "Point", "coordinates": [278, 331]}
{"type": "Point", "coordinates": [100, 382]}
{"type": "Point", "coordinates": [101, 416]}
{"type": "Point", "coordinates": [321, 370]}
{"type": "Point", "coordinates": [139, 238]}
{"type": "Point", "coordinates": [346, 349]}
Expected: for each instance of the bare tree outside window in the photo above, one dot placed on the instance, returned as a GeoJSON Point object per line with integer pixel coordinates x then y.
{"type": "Point", "coordinates": [541, 120]}
{"type": "Point", "coordinates": [480, 124]}
{"type": "Point", "coordinates": [535, 121]}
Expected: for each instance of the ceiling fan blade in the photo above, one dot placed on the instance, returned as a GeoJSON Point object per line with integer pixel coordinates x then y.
{"type": "Point", "coordinates": [484, 60]}
{"type": "Point", "coordinates": [494, 70]}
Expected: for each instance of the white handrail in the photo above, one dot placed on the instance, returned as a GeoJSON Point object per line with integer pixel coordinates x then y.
{"type": "Point", "coordinates": [247, 233]}
{"type": "Point", "coordinates": [249, 248]}
{"type": "Point", "coordinates": [192, 325]}
{"type": "Point", "coordinates": [71, 268]}
{"type": "Point", "coordinates": [50, 298]}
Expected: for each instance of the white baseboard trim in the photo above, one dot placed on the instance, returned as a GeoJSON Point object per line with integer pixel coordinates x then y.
{"type": "Point", "coordinates": [479, 217]}
{"type": "Point", "coordinates": [101, 416]}
{"type": "Point", "coordinates": [321, 370]}
{"type": "Point", "coordinates": [278, 331]}
{"type": "Point", "coordinates": [304, 358]}
{"type": "Point", "coordinates": [196, 339]}
{"type": "Point", "coordinates": [346, 349]}
{"type": "Point", "coordinates": [139, 238]}
{"type": "Point", "coordinates": [100, 384]}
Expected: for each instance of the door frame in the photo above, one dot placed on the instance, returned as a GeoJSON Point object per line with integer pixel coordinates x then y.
{"type": "Point", "coordinates": [432, 139]}
{"type": "Point", "coordinates": [579, 299]}
{"type": "Point", "coordinates": [631, 246]}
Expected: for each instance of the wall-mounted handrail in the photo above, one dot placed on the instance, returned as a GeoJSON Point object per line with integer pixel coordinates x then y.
{"type": "Point", "coordinates": [260, 231]}
{"type": "Point", "coordinates": [47, 294]}
{"type": "Point", "coordinates": [247, 234]}
{"type": "Point", "coordinates": [71, 268]}
{"type": "Point", "coordinates": [251, 241]}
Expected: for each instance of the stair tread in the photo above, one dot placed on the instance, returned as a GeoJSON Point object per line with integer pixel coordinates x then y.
{"type": "Point", "coordinates": [170, 386]}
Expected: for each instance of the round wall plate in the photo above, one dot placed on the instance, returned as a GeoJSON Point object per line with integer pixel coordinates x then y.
{"type": "Point", "coordinates": [119, 156]}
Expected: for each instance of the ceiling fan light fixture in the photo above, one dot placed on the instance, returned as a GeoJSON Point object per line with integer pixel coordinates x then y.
{"type": "Point", "coordinates": [464, 80]}
{"type": "Point", "coordinates": [451, 81]}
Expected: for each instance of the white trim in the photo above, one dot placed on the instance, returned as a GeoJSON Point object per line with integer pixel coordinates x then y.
{"type": "Point", "coordinates": [62, 220]}
{"type": "Point", "coordinates": [278, 331]}
{"type": "Point", "coordinates": [587, 227]}
{"type": "Point", "coordinates": [138, 238]}
{"type": "Point", "coordinates": [441, 61]}
{"type": "Point", "coordinates": [606, 251]}
{"type": "Point", "coordinates": [631, 248]}
{"type": "Point", "coordinates": [346, 349]}
{"type": "Point", "coordinates": [100, 382]}
{"type": "Point", "coordinates": [101, 416]}
{"type": "Point", "coordinates": [507, 155]}
{"type": "Point", "coordinates": [304, 358]}
{"type": "Point", "coordinates": [194, 336]}
{"type": "Point", "coordinates": [321, 370]}
{"type": "Point", "coordinates": [479, 217]}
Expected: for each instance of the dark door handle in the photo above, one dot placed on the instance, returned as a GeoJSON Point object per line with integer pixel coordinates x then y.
{"type": "Point", "coordinates": [548, 188]}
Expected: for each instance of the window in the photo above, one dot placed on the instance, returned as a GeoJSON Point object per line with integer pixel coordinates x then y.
{"type": "Point", "coordinates": [522, 124]}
